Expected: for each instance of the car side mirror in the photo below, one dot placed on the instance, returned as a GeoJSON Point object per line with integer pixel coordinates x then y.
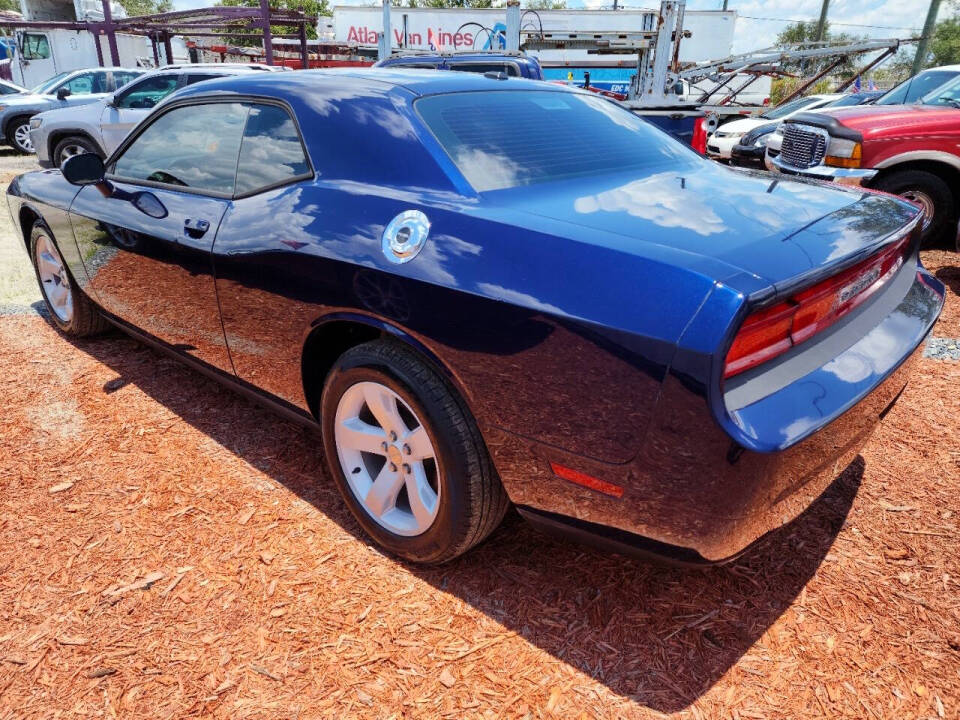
{"type": "Point", "coordinates": [63, 93]}
{"type": "Point", "coordinates": [85, 169]}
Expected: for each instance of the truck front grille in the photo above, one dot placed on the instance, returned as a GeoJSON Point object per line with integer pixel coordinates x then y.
{"type": "Point", "coordinates": [802, 147]}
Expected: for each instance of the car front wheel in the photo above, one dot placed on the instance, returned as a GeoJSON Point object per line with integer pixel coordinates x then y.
{"type": "Point", "coordinates": [18, 135]}
{"type": "Point", "coordinates": [69, 307]}
{"type": "Point", "coordinates": [928, 191]}
{"type": "Point", "coordinates": [70, 146]}
{"type": "Point", "coordinates": [407, 456]}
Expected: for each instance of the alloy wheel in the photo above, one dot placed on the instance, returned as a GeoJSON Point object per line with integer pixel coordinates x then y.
{"type": "Point", "coordinates": [68, 151]}
{"type": "Point", "coordinates": [21, 136]}
{"type": "Point", "coordinates": [387, 458]}
{"type": "Point", "coordinates": [53, 279]}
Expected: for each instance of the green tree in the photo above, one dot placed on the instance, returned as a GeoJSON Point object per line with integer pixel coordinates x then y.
{"type": "Point", "coordinates": [10, 5]}
{"type": "Point", "coordinates": [544, 5]}
{"type": "Point", "coordinates": [146, 7]}
{"type": "Point", "coordinates": [311, 8]}
{"type": "Point", "coordinates": [481, 4]}
{"type": "Point", "coordinates": [803, 35]}
{"type": "Point", "coordinates": [945, 43]}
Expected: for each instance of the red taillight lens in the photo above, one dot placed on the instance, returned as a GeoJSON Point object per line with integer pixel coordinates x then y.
{"type": "Point", "coordinates": [772, 331]}
{"type": "Point", "coordinates": [699, 140]}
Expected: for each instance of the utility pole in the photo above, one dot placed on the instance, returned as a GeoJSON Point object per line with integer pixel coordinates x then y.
{"type": "Point", "coordinates": [921, 56]}
{"type": "Point", "coordinates": [724, 5]}
{"type": "Point", "coordinates": [822, 25]}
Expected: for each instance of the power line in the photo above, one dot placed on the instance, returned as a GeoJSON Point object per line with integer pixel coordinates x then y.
{"type": "Point", "coordinates": [813, 22]}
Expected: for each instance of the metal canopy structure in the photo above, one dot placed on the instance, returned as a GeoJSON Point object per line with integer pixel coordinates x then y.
{"type": "Point", "coordinates": [221, 21]}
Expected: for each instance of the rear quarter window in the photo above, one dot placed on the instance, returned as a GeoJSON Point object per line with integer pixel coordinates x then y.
{"type": "Point", "coordinates": [271, 152]}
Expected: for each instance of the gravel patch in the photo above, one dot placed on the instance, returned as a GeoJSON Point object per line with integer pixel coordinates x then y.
{"type": "Point", "coordinates": [942, 348]}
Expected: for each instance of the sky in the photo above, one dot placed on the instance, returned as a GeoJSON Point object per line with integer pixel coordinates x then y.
{"type": "Point", "coordinates": [759, 21]}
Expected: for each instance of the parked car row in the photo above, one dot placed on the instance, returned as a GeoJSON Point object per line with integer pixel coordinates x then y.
{"type": "Point", "coordinates": [905, 142]}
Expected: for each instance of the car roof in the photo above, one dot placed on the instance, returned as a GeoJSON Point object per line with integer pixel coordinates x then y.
{"type": "Point", "coordinates": [417, 82]}
{"type": "Point", "coordinates": [222, 68]}
{"type": "Point", "coordinates": [412, 56]}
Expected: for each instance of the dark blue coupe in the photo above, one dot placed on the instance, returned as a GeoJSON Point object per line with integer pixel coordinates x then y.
{"type": "Point", "coordinates": [487, 291]}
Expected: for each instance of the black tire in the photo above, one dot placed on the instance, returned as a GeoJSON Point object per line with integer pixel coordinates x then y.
{"type": "Point", "coordinates": [905, 182]}
{"type": "Point", "coordinates": [78, 141]}
{"type": "Point", "coordinates": [85, 319]}
{"type": "Point", "coordinates": [12, 132]}
{"type": "Point", "coordinates": [472, 501]}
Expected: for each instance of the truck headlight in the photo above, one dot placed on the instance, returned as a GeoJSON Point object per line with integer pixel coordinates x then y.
{"type": "Point", "coordinates": [35, 122]}
{"type": "Point", "coordinates": [843, 153]}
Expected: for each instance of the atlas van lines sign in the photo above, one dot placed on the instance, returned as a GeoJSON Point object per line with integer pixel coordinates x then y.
{"type": "Point", "coordinates": [429, 29]}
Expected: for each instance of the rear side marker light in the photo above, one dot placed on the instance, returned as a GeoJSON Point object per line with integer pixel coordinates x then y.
{"type": "Point", "coordinates": [575, 476]}
{"type": "Point", "coordinates": [772, 331]}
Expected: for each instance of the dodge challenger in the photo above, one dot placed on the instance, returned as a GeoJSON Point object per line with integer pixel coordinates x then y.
{"type": "Point", "coordinates": [484, 292]}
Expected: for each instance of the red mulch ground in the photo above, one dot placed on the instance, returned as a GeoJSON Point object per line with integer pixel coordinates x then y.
{"type": "Point", "coordinates": [169, 550]}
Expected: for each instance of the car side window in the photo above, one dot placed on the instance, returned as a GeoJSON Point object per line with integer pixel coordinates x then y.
{"type": "Point", "coordinates": [508, 68]}
{"type": "Point", "coordinates": [195, 78]}
{"type": "Point", "coordinates": [271, 152]}
{"type": "Point", "coordinates": [148, 92]}
{"type": "Point", "coordinates": [86, 83]}
{"type": "Point", "coordinates": [121, 78]}
{"type": "Point", "coordinates": [193, 146]}
{"type": "Point", "coordinates": [35, 46]}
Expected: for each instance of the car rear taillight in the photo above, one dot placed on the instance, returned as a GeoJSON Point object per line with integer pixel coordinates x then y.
{"type": "Point", "coordinates": [699, 140]}
{"type": "Point", "coordinates": [772, 331]}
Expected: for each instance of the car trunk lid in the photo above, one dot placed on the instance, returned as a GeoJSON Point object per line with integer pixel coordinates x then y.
{"type": "Point", "coordinates": [777, 229]}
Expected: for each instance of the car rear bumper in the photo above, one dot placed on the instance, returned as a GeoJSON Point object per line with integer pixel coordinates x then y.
{"type": "Point", "coordinates": [844, 176]}
{"type": "Point", "coordinates": [694, 495]}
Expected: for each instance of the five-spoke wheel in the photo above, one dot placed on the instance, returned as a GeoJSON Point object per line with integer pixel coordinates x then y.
{"type": "Point", "coordinates": [387, 458]}
{"type": "Point", "coordinates": [54, 281]}
{"type": "Point", "coordinates": [70, 308]}
{"type": "Point", "coordinates": [406, 454]}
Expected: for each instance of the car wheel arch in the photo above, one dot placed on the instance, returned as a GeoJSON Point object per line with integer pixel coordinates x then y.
{"type": "Point", "coordinates": [27, 217]}
{"type": "Point", "coordinates": [332, 336]}
{"type": "Point", "coordinates": [14, 119]}
{"type": "Point", "coordinates": [57, 136]}
{"type": "Point", "coordinates": [948, 172]}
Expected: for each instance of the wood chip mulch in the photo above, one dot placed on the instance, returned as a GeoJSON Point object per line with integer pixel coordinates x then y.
{"type": "Point", "coordinates": [169, 550]}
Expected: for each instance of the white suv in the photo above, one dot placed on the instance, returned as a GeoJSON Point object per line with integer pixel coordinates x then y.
{"type": "Point", "coordinates": [101, 126]}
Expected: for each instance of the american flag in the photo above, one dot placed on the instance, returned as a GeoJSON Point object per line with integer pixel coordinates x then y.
{"type": "Point", "coordinates": [856, 84]}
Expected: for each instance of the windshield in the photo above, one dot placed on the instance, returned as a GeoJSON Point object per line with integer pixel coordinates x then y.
{"type": "Point", "coordinates": [47, 84]}
{"type": "Point", "coordinates": [783, 110]}
{"type": "Point", "coordinates": [503, 139]}
{"type": "Point", "coordinates": [948, 95]}
{"type": "Point", "coordinates": [917, 87]}
{"type": "Point", "coordinates": [851, 99]}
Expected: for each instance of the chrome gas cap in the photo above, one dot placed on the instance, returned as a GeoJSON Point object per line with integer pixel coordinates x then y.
{"type": "Point", "coordinates": [405, 236]}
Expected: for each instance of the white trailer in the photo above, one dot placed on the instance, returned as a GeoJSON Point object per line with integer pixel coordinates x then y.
{"type": "Point", "coordinates": [37, 54]}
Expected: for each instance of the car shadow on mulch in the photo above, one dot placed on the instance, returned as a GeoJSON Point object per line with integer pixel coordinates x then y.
{"type": "Point", "coordinates": [660, 636]}
{"type": "Point", "coordinates": [949, 275]}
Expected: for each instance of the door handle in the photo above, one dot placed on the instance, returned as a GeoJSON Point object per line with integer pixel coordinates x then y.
{"type": "Point", "coordinates": [195, 228]}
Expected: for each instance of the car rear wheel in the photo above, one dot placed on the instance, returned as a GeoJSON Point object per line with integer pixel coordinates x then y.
{"type": "Point", "coordinates": [69, 307]}
{"type": "Point", "coordinates": [18, 135]}
{"type": "Point", "coordinates": [407, 456]}
{"type": "Point", "coordinates": [929, 192]}
{"type": "Point", "coordinates": [70, 146]}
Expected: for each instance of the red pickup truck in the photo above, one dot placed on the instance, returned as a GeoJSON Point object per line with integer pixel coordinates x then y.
{"type": "Point", "coordinates": [908, 150]}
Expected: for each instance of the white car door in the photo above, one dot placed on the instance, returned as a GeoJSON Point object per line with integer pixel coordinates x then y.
{"type": "Point", "coordinates": [131, 104]}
